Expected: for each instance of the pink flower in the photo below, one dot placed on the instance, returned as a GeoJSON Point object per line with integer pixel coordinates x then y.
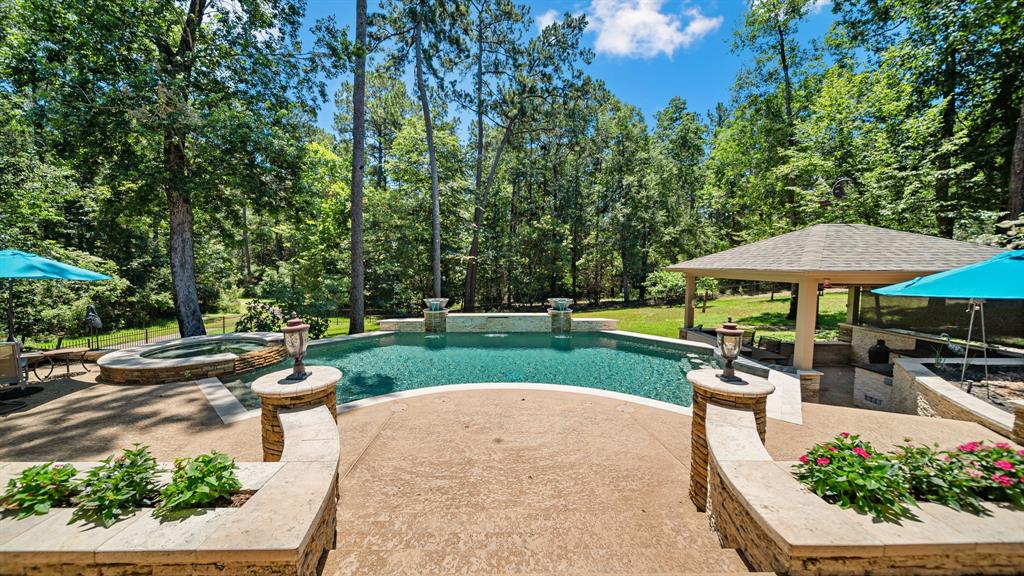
{"type": "Point", "coordinates": [1002, 445]}
{"type": "Point", "coordinates": [823, 461]}
{"type": "Point", "coordinates": [975, 473]}
{"type": "Point", "coordinates": [833, 449]}
{"type": "Point", "coordinates": [1003, 465]}
{"type": "Point", "coordinates": [969, 447]}
{"type": "Point", "coordinates": [861, 452]}
{"type": "Point", "coordinates": [844, 434]}
{"type": "Point", "coordinates": [1002, 480]}
{"type": "Point", "coordinates": [805, 459]}
{"type": "Point", "coordinates": [1020, 453]}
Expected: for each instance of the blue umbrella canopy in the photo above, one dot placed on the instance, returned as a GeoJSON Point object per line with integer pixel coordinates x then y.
{"type": "Point", "coordinates": [17, 264]}
{"type": "Point", "coordinates": [998, 278]}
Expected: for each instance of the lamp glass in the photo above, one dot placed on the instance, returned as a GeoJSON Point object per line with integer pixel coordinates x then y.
{"type": "Point", "coordinates": [730, 345]}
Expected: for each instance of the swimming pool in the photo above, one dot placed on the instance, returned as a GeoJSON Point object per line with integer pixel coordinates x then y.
{"type": "Point", "coordinates": [389, 363]}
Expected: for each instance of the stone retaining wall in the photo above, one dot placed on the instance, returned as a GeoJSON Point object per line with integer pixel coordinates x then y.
{"type": "Point", "coordinates": [757, 507]}
{"type": "Point", "coordinates": [917, 390]}
{"type": "Point", "coordinates": [518, 322]}
{"type": "Point", "coordinates": [285, 528]}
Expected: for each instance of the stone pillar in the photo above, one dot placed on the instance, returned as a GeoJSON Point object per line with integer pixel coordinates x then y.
{"type": "Point", "coordinates": [435, 320]}
{"type": "Point", "coordinates": [806, 314]}
{"type": "Point", "coordinates": [749, 392]}
{"type": "Point", "coordinates": [810, 385]}
{"type": "Point", "coordinates": [1017, 435]}
{"type": "Point", "coordinates": [561, 321]}
{"type": "Point", "coordinates": [276, 393]}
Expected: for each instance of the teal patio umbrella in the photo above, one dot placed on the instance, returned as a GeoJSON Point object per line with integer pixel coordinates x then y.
{"type": "Point", "coordinates": [15, 265]}
{"type": "Point", "coordinates": [998, 278]}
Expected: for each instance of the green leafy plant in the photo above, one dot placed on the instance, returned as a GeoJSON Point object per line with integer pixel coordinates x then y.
{"type": "Point", "coordinates": [317, 326]}
{"type": "Point", "coordinates": [998, 470]}
{"type": "Point", "coordinates": [938, 476]}
{"type": "Point", "coordinates": [39, 488]}
{"type": "Point", "coordinates": [117, 487]}
{"type": "Point", "coordinates": [259, 317]}
{"type": "Point", "coordinates": [199, 481]}
{"type": "Point", "coordinates": [849, 472]}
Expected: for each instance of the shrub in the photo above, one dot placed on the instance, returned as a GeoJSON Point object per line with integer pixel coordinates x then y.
{"type": "Point", "coordinates": [850, 473]}
{"type": "Point", "coordinates": [937, 476]}
{"type": "Point", "coordinates": [40, 487]}
{"type": "Point", "coordinates": [998, 470]}
{"type": "Point", "coordinates": [199, 481]}
{"type": "Point", "coordinates": [259, 317]}
{"type": "Point", "coordinates": [117, 487]}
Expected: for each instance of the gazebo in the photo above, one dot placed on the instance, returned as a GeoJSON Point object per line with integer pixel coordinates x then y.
{"type": "Point", "coordinates": [853, 255]}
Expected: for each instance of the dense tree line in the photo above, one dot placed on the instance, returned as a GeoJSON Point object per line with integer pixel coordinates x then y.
{"type": "Point", "coordinates": [173, 145]}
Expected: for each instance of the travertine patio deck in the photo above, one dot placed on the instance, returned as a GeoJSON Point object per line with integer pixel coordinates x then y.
{"type": "Point", "coordinates": [494, 481]}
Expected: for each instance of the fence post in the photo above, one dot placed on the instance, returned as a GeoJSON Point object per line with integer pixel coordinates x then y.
{"type": "Point", "coordinates": [223, 325]}
{"type": "Point", "coordinates": [147, 335]}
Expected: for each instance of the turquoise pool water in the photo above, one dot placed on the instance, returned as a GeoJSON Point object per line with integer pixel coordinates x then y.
{"type": "Point", "coordinates": [381, 365]}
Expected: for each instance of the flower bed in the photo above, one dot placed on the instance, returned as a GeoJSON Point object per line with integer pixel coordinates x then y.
{"type": "Point", "coordinates": [850, 473]}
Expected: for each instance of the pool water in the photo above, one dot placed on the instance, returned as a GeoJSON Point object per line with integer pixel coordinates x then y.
{"type": "Point", "coordinates": [380, 365]}
{"type": "Point", "coordinates": [206, 349]}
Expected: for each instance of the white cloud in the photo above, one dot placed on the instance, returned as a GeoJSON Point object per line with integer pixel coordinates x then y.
{"type": "Point", "coordinates": [819, 5]}
{"type": "Point", "coordinates": [638, 28]}
{"type": "Point", "coordinates": [546, 19]}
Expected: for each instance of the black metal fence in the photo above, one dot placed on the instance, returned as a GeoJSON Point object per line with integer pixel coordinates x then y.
{"type": "Point", "coordinates": [128, 337]}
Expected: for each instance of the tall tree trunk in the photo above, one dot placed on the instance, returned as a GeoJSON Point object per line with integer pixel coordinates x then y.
{"type": "Point", "coordinates": [357, 295]}
{"type": "Point", "coordinates": [435, 199]}
{"type": "Point", "coordinates": [246, 250]}
{"type": "Point", "coordinates": [469, 298]}
{"type": "Point", "coordinates": [1016, 191]}
{"type": "Point", "coordinates": [178, 64]}
{"type": "Point", "coordinates": [790, 193]}
{"type": "Point", "coordinates": [943, 220]}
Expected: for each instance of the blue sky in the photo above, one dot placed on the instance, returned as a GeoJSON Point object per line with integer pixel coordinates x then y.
{"type": "Point", "coordinates": [647, 51]}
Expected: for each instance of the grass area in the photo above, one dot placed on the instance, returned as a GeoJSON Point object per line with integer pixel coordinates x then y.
{"type": "Point", "coordinates": [339, 325]}
{"type": "Point", "coordinates": [751, 312]}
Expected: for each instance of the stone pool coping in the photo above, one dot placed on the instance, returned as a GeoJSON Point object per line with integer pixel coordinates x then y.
{"type": "Point", "coordinates": [129, 366]}
{"type": "Point", "coordinates": [784, 404]}
{"type": "Point", "coordinates": [284, 528]}
{"type": "Point", "coordinates": [759, 508]}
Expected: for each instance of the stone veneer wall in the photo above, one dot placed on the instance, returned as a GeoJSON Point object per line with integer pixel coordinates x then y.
{"type": "Point", "coordinates": [917, 390]}
{"type": "Point", "coordinates": [778, 525]}
{"type": "Point", "coordinates": [864, 337]}
{"type": "Point", "coordinates": [260, 358]}
{"type": "Point", "coordinates": [163, 375]}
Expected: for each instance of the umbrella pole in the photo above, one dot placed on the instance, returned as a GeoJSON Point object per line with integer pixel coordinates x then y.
{"type": "Point", "coordinates": [967, 348]}
{"type": "Point", "coordinates": [10, 309]}
{"type": "Point", "coordinates": [984, 342]}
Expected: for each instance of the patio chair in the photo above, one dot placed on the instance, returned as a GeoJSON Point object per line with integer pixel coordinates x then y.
{"type": "Point", "coordinates": [13, 372]}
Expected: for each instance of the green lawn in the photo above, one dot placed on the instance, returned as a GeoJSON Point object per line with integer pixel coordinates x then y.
{"type": "Point", "coordinates": [339, 325]}
{"type": "Point", "coordinates": [754, 312]}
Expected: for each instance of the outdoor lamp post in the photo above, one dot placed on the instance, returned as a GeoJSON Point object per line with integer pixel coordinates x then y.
{"type": "Point", "coordinates": [729, 336]}
{"type": "Point", "coordinates": [296, 338]}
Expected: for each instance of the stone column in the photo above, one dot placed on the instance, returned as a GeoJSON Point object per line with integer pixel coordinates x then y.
{"type": "Point", "coordinates": [1017, 435]}
{"type": "Point", "coordinates": [691, 293]}
{"type": "Point", "coordinates": [806, 314]}
{"type": "Point", "coordinates": [749, 392]}
{"type": "Point", "coordinates": [810, 385]}
{"type": "Point", "coordinates": [561, 321]}
{"type": "Point", "coordinates": [435, 320]}
{"type": "Point", "coordinates": [277, 393]}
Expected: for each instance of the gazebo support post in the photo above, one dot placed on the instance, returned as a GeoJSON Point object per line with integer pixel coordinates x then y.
{"type": "Point", "coordinates": [806, 311]}
{"type": "Point", "coordinates": [691, 292]}
{"type": "Point", "coordinates": [852, 303]}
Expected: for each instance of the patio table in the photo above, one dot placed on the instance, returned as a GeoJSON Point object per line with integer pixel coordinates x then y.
{"type": "Point", "coordinates": [34, 359]}
{"type": "Point", "coordinates": [66, 355]}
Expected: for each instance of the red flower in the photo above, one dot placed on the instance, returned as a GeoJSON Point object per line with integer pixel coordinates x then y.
{"type": "Point", "coordinates": [969, 447]}
{"type": "Point", "coordinates": [1002, 445]}
{"type": "Point", "coordinates": [833, 449]}
{"type": "Point", "coordinates": [1002, 480]}
{"type": "Point", "coordinates": [823, 461]}
{"type": "Point", "coordinates": [805, 459]}
{"type": "Point", "coordinates": [861, 452]}
{"type": "Point", "coordinates": [1003, 465]}
{"type": "Point", "coordinates": [844, 434]}
{"type": "Point", "coordinates": [1020, 453]}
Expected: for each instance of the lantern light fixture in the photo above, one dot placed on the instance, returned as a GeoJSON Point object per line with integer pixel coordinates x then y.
{"type": "Point", "coordinates": [729, 339]}
{"type": "Point", "coordinates": [296, 338]}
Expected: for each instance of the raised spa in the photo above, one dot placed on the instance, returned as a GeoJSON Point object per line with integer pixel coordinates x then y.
{"type": "Point", "coordinates": [382, 364]}
{"type": "Point", "coordinates": [192, 358]}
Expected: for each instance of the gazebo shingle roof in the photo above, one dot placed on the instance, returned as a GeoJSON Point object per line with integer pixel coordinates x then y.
{"type": "Point", "coordinates": [833, 249]}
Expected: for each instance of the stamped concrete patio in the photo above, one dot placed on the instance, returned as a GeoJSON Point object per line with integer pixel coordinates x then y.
{"type": "Point", "coordinates": [470, 482]}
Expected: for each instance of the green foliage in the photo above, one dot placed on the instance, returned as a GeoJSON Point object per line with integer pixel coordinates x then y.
{"type": "Point", "coordinates": [39, 488]}
{"type": "Point", "coordinates": [849, 472]}
{"type": "Point", "coordinates": [938, 476]}
{"type": "Point", "coordinates": [117, 487]}
{"type": "Point", "coordinates": [260, 317]}
{"type": "Point", "coordinates": [199, 481]}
